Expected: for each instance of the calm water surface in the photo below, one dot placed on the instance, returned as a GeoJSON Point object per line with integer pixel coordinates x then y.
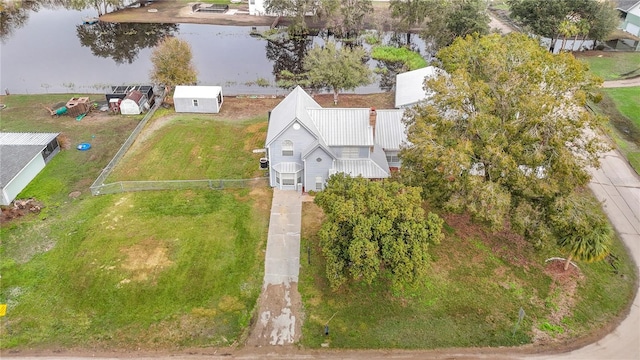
{"type": "Point", "coordinates": [47, 55]}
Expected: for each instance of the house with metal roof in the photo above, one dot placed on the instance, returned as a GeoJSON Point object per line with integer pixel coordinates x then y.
{"type": "Point", "coordinates": [630, 13]}
{"type": "Point", "coordinates": [307, 143]}
{"type": "Point", "coordinates": [410, 86]}
{"type": "Point", "coordinates": [22, 157]}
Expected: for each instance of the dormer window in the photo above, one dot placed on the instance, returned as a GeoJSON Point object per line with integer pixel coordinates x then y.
{"type": "Point", "coordinates": [287, 148]}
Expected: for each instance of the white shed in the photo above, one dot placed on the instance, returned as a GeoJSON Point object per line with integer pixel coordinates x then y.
{"type": "Point", "coordinates": [23, 156]}
{"type": "Point", "coordinates": [198, 99]}
{"type": "Point", "coordinates": [410, 86]}
{"type": "Point", "coordinates": [134, 103]}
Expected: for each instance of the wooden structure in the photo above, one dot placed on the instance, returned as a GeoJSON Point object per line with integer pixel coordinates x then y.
{"type": "Point", "coordinates": [77, 106]}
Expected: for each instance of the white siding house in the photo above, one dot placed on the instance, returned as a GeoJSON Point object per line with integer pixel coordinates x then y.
{"type": "Point", "coordinates": [22, 157]}
{"type": "Point", "coordinates": [306, 143]}
{"type": "Point", "coordinates": [198, 99]}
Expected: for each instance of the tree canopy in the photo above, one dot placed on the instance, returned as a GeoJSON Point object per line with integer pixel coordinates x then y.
{"type": "Point", "coordinates": [346, 17]}
{"type": "Point", "coordinates": [296, 9]}
{"type": "Point", "coordinates": [449, 19]}
{"type": "Point", "coordinates": [375, 228]}
{"type": "Point", "coordinates": [335, 68]}
{"type": "Point", "coordinates": [172, 63]}
{"type": "Point", "coordinates": [546, 17]}
{"type": "Point", "coordinates": [505, 133]}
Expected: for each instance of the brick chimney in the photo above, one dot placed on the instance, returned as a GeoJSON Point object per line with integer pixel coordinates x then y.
{"type": "Point", "coordinates": [372, 119]}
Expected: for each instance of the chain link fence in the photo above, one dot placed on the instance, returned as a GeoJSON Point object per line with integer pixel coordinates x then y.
{"type": "Point", "coordinates": [218, 184]}
{"type": "Point", "coordinates": [100, 188]}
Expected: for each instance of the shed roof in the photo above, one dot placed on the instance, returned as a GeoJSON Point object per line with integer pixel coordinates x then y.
{"type": "Point", "coordinates": [626, 5]}
{"type": "Point", "coordinates": [410, 86]}
{"type": "Point", "coordinates": [17, 150]}
{"type": "Point", "coordinates": [189, 92]}
{"type": "Point", "coordinates": [134, 95]}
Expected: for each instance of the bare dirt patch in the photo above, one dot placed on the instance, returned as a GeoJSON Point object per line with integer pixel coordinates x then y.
{"type": "Point", "coordinates": [276, 323]}
{"type": "Point", "coordinates": [19, 208]}
{"type": "Point", "coordinates": [145, 259]}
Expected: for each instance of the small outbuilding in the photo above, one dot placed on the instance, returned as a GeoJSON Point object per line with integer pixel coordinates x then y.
{"type": "Point", "coordinates": [410, 86]}
{"type": "Point", "coordinates": [22, 157]}
{"type": "Point", "coordinates": [198, 99]}
{"type": "Point", "coordinates": [134, 103]}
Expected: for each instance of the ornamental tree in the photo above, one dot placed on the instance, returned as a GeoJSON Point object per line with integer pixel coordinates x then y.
{"type": "Point", "coordinates": [172, 63]}
{"type": "Point", "coordinates": [375, 228]}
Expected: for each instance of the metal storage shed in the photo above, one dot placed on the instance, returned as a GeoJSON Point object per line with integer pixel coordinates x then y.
{"type": "Point", "coordinates": [22, 157]}
{"type": "Point", "coordinates": [410, 86]}
{"type": "Point", "coordinates": [198, 99]}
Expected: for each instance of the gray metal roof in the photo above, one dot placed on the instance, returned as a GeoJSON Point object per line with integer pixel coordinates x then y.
{"type": "Point", "coordinates": [314, 145]}
{"type": "Point", "coordinates": [288, 167]}
{"type": "Point", "coordinates": [375, 167]}
{"type": "Point", "coordinates": [293, 107]}
{"type": "Point", "coordinates": [626, 5]}
{"type": "Point", "coordinates": [343, 127]}
{"type": "Point", "coordinates": [410, 86]}
{"type": "Point", "coordinates": [26, 138]}
{"type": "Point", "coordinates": [390, 130]}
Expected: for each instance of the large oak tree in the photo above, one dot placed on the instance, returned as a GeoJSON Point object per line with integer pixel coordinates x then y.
{"type": "Point", "coordinates": [505, 134]}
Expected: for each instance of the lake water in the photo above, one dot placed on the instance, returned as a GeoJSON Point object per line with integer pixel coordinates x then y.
{"type": "Point", "coordinates": [54, 53]}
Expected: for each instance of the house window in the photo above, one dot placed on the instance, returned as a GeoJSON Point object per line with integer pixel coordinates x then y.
{"type": "Point", "coordinates": [393, 158]}
{"type": "Point", "coordinates": [288, 179]}
{"type": "Point", "coordinates": [287, 148]}
{"type": "Point", "coordinates": [350, 153]}
{"type": "Point", "coordinates": [252, 2]}
{"type": "Point", "coordinates": [195, 102]}
{"type": "Point", "coordinates": [318, 183]}
{"type": "Point", "coordinates": [277, 177]}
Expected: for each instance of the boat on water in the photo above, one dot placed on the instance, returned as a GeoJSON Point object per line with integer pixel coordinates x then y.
{"type": "Point", "coordinates": [90, 20]}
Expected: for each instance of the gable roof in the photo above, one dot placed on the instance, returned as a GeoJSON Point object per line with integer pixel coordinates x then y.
{"type": "Point", "coordinates": [293, 107]}
{"type": "Point", "coordinates": [17, 150]}
{"type": "Point", "coordinates": [135, 96]}
{"type": "Point", "coordinates": [410, 86]}
{"type": "Point", "coordinates": [626, 5]}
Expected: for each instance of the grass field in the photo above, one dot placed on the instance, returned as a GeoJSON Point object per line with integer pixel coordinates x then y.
{"type": "Point", "coordinates": [477, 285]}
{"type": "Point", "coordinates": [148, 270]}
{"type": "Point", "coordinates": [196, 147]}
{"type": "Point", "coordinates": [613, 65]}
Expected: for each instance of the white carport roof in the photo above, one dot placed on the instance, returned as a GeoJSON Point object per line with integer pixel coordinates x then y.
{"type": "Point", "coordinates": [410, 86]}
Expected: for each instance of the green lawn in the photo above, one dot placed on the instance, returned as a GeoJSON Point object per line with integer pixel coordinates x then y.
{"type": "Point", "coordinates": [613, 65]}
{"type": "Point", "coordinates": [627, 101]}
{"type": "Point", "coordinates": [152, 269]}
{"type": "Point", "coordinates": [146, 270]}
{"type": "Point", "coordinates": [622, 107]}
{"type": "Point", "coordinates": [472, 297]}
{"type": "Point", "coordinates": [196, 147]}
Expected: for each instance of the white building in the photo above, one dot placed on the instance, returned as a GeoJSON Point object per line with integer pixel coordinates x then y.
{"type": "Point", "coordinates": [22, 157]}
{"type": "Point", "coordinates": [198, 99]}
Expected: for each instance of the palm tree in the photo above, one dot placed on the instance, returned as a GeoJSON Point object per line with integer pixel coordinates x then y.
{"type": "Point", "coordinates": [582, 229]}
